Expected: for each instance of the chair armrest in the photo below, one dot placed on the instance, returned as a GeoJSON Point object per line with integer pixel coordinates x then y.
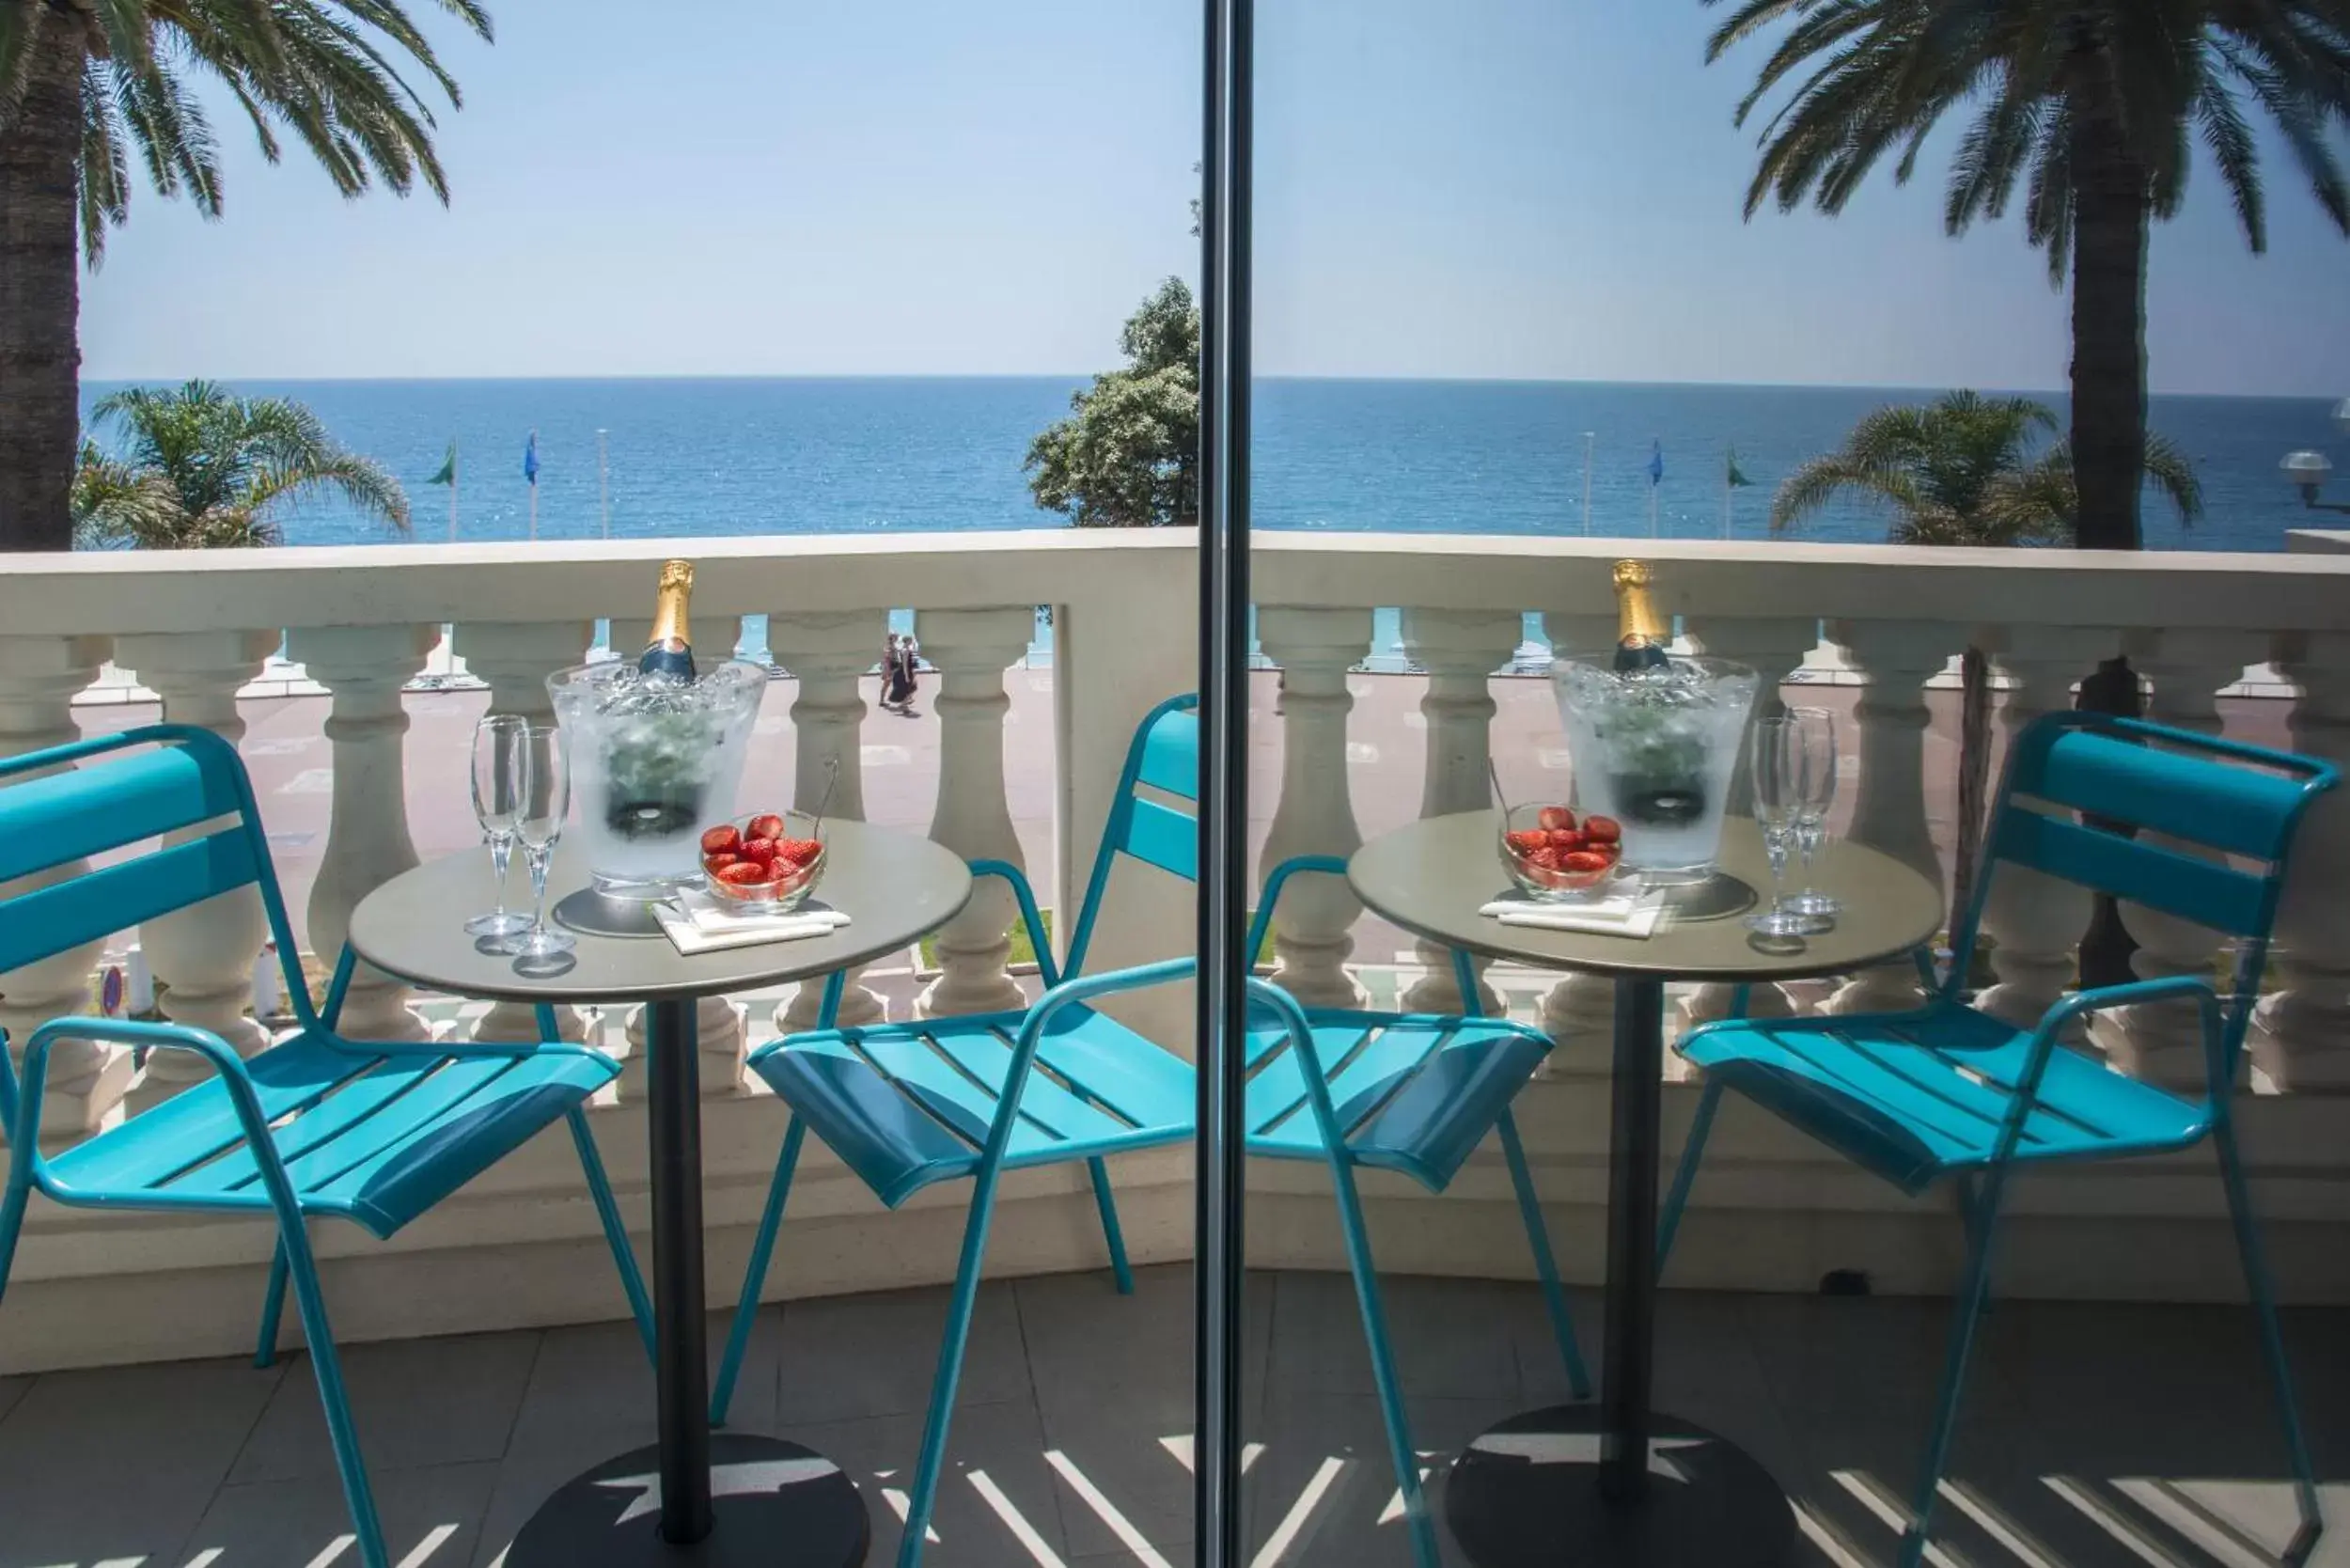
{"type": "Point", "coordinates": [1067, 994]}
{"type": "Point", "coordinates": [1030, 916]}
{"type": "Point", "coordinates": [1324, 865]}
{"type": "Point", "coordinates": [21, 1100]}
{"type": "Point", "coordinates": [2079, 1004]}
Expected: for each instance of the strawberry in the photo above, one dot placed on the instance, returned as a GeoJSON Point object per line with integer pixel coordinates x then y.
{"type": "Point", "coordinates": [761, 850]}
{"type": "Point", "coordinates": [1527, 842]}
{"type": "Point", "coordinates": [1556, 819]}
{"type": "Point", "coordinates": [1584, 862]}
{"type": "Point", "coordinates": [766, 826]}
{"type": "Point", "coordinates": [799, 851]}
{"type": "Point", "coordinates": [722, 840]}
{"type": "Point", "coordinates": [1566, 840]}
{"type": "Point", "coordinates": [1602, 830]}
{"type": "Point", "coordinates": [716, 863]}
{"type": "Point", "coordinates": [744, 873]}
{"type": "Point", "coordinates": [1548, 860]}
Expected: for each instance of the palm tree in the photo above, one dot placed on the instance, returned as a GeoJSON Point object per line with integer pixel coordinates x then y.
{"type": "Point", "coordinates": [2097, 107]}
{"type": "Point", "coordinates": [1961, 471]}
{"type": "Point", "coordinates": [208, 470]}
{"type": "Point", "coordinates": [88, 87]}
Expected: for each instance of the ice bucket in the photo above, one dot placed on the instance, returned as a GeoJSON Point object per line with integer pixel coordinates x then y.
{"type": "Point", "coordinates": [653, 765]}
{"type": "Point", "coordinates": [1656, 749]}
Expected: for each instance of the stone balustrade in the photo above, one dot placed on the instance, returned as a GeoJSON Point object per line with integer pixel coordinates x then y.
{"type": "Point", "coordinates": [363, 620]}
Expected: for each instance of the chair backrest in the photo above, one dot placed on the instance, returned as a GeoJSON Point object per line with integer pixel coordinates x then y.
{"type": "Point", "coordinates": [1164, 757]}
{"type": "Point", "coordinates": [129, 786]}
{"type": "Point", "coordinates": [2070, 777]}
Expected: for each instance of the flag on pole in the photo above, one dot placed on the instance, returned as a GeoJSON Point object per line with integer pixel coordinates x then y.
{"type": "Point", "coordinates": [447, 475]}
{"type": "Point", "coordinates": [1655, 464]}
{"type": "Point", "coordinates": [1737, 476]}
{"type": "Point", "coordinates": [530, 459]}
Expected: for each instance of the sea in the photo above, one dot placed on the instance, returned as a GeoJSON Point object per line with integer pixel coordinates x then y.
{"type": "Point", "coordinates": [648, 458]}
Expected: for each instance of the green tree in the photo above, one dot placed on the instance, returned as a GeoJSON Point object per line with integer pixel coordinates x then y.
{"type": "Point", "coordinates": [1128, 455]}
{"type": "Point", "coordinates": [95, 92]}
{"type": "Point", "coordinates": [1963, 471]}
{"type": "Point", "coordinates": [204, 469]}
{"type": "Point", "coordinates": [2096, 109]}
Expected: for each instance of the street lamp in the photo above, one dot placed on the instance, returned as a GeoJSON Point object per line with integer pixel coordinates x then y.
{"type": "Point", "coordinates": [2307, 471]}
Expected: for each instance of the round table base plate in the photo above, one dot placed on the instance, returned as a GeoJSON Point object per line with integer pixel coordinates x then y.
{"type": "Point", "coordinates": [1526, 1493]}
{"type": "Point", "coordinates": [772, 1502]}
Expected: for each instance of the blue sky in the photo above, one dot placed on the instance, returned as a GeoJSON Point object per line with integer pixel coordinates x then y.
{"type": "Point", "coordinates": [1546, 188]}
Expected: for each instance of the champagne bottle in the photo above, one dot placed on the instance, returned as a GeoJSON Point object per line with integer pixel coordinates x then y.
{"type": "Point", "coordinates": [669, 656]}
{"type": "Point", "coordinates": [1641, 635]}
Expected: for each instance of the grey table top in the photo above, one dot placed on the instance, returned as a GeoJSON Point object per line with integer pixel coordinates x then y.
{"type": "Point", "coordinates": [1431, 876]}
{"type": "Point", "coordinates": [893, 886]}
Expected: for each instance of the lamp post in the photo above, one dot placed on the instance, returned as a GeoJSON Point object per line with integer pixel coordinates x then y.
{"type": "Point", "coordinates": [2307, 471]}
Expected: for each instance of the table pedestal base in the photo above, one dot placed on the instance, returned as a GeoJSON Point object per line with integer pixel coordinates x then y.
{"type": "Point", "coordinates": [1527, 1493]}
{"type": "Point", "coordinates": [771, 1503]}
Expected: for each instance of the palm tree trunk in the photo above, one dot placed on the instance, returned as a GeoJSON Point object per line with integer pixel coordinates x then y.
{"type": "Point", "coordinates": [40, 356]}
{"type": "Point", "coordinates": [1974, 774]}
{"type": "Point", "coordinates": [2111, 213]}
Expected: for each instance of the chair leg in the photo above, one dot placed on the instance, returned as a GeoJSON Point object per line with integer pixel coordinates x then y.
{"type": "Point", "coordinates": [273, 1311]}
{"type": "Point", "coordinates": [755, 1277]}
{"type": "Point", "coordinates": [1545, 1264]}
{"type": "Point", "coordinates": [1110, 1232]}
{"type": "Point", "coordinates": [615, 1233]}
{"type": "Point", "coordinates": [13, 1202]}
{"type": "Point", "coordinates": [2264, 1292]}
{"type": "Point", "coordinates": [1405, 1458]}
{"type": "Point", "coordinates": [294, 1246]}
{"type": "Point", "coordinates": [1968, 1311]}
{"type": "Point", "coordinates": [949, 1373]}
{"type": "Point", "coordinates": [1686, 1177]}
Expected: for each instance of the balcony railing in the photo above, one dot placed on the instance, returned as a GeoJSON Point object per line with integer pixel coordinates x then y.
{"type": "Point", "coordinates": [519, 1247]}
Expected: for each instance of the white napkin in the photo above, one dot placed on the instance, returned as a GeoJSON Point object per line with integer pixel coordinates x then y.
{"type": "Point", "coordinates": [1631, 914]}
{"type": "Point", "coordinates": [702, 924]}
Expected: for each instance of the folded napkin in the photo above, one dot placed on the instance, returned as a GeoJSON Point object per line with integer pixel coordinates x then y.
{"type": "Point", "coordinates": [1631, 914]}
{"type": "Point", "coordinates": [702, 924]}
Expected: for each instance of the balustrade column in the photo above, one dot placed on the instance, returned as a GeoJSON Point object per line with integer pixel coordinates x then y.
{"type": "Point", "coordinates": [972, 648]}
{"type": "Point", "coordinates": [830, 654]}
{"type": "Point", "coordinates": [1459, 650]}
{"type": "Point", "coordinates": [513, 658]}
{"type": "Point", "coordinates": [1315, 649]}
{"type": "Point", "coordinates": [1898, 657]}
{"type": "Point", "coordinates": [2163, 1042]}
{"type": "Point", "coordinates": [39, 678]}
{"type": "Point", "coordinates": [1579, 1013]}
{"type": "Point", "coordinates": [2304, 1037]}
{"type": "Point", "coordinates": [1773, 646]}
{"type": "Point", "coordinates": [2035, 922]}
{"type": "Point", "coordinates": [202, 956]}
{"type": "Point", "coordinates": [366, 836]}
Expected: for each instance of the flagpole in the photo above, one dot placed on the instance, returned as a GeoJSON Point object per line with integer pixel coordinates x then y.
{"type": "Point", "coordinates": [603, 484]}
{"type": "Point", "coordinates": [1590, 444]}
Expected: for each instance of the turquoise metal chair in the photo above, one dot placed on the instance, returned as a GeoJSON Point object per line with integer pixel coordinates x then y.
{"type": "Point", "coordinates": [316, 1125]}
{"type": "Point", "coordinates": [1945, 1091]}
{"type": "Point", "coordinates": [908, 1105]}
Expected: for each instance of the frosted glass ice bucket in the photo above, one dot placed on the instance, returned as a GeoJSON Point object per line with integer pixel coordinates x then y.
{"type": "Point", "coordinates": [1657, 750]}
{"type": "Point", "coordinates": [653, 767]}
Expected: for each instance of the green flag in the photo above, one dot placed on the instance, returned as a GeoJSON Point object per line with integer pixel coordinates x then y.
{"type": "Point", "coordinates": [447, 475]}
{"type": "Point", "coordinates": [1737, 478]}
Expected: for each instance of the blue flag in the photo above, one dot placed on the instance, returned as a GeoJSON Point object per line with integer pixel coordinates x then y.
{"type": "Point", "coordinates": [1656, 463]}
{"type": "Point", "coordinates": [530, 458]}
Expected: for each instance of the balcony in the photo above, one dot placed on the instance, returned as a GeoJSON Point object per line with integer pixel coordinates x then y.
{"type": "Point", "coordinates": [360, 766]}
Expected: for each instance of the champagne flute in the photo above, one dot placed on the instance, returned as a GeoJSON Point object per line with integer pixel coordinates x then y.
{"type": "Point", "coordinates": [1820, 737]}
{"type": "Point", "coordinates": [546, 802]}
{"type": "Point", "coordinates": [1780, 762]}
{"type": "Point", "coordinates": [496, 801]}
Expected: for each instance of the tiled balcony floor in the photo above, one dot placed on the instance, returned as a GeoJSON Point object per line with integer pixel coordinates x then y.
{"type": "Point", "coordinates": [2095, 1435]}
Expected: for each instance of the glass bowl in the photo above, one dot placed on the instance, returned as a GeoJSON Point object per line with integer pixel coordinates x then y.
{"type": "Point", "coordinates": [1551, 854]}
{"type": "Point", "coordinates": [788, 881]}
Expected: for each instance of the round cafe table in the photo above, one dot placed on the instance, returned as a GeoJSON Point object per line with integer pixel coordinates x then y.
{"type": "Point", "coordinates": [692, 1500]}
{"type": "Point", "coordinates": [1620, 1484]}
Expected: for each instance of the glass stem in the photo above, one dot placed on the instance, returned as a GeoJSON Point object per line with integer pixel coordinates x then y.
{"type": "Point", "coordinates": [538, 858]}
{"type": "Point", "coordinates": [1774, 845]}
{"type": "Point", "coordinates": [501, 857]}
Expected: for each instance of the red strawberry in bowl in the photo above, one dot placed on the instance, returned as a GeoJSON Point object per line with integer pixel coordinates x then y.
{"type": "Point", "coordinates": [762, 848]}
{"type": "Point", "coordinates": [1552, 857]}
{"type": "Point", "coordinates": [723, 839]}
{"type": "Point", "coordinates": [767, 826]}
{"type": "Point", "coordinates": [1556, 819]}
